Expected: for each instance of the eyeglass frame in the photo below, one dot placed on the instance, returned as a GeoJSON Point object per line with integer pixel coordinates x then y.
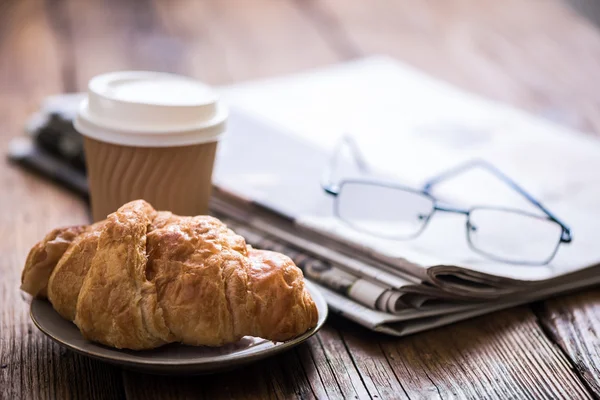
{"type": "Point", "coordinates": [335, 189]}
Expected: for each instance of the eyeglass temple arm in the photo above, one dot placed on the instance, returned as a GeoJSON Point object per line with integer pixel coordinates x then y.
{"type": "Point", "coordinates": [499, 174]}
{"type": "Point", "coordinates": [357, 157]}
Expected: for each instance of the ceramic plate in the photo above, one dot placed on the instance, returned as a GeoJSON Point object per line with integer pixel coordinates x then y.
{"type": "Point", "coordinates": [173, 358]}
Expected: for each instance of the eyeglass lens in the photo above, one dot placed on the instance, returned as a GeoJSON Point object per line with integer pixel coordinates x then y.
{"type": "Point", "coordinates": [383, 211]}
{"type": "Point", "coordinates": [513, 236]}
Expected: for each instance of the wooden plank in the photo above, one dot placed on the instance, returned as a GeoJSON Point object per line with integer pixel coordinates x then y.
{"type": "Point", "coordinates": [574, 323]}
{"type": "Point", "coordinates": [321, 368]}
{"type": "Point", "coordinates": [371, 361]}
{"type": "Point", "coordinates": [277, 378]}
{"type": "Point", "coordinates": [500, 356]}
{"type": "Point", "coordinates": [538, 55]}
{"type": "Point", "coordinates": [218, 42]}
{"type": "Point", "coordinates": [280, 377]}
{"type": "Point", "coordinates": [114, 35]}
{"type": "Point", "coordinates": [233, 40]}
{"type": "Point", "coordinates": [31, 366]}
{"type": "Point", "coordinates": [333, 364]}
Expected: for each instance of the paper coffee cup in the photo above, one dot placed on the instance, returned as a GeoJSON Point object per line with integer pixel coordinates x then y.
{"type": "Point", "coordinates": [150, 136]}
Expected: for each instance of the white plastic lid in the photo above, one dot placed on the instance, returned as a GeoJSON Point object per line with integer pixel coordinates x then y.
{"type": "Point", "coordinates": [150, 109]}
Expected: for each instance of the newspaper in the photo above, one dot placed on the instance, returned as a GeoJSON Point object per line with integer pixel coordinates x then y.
{"type": "Point", "coordinates": [398, 326]}
{"type": "Point", "coordinates": [410, 127]}
{"type": "Point", "coordinates": [268, 187]}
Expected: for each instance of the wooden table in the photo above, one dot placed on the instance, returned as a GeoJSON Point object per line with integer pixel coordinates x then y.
{"type": "Point", "coordinates": [535, 54]}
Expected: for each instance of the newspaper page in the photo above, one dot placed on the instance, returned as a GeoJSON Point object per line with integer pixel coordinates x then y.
{"type": "Point", "coordinates": [410, 127]}
{"type": "Point", "coordinates": [399, 326]}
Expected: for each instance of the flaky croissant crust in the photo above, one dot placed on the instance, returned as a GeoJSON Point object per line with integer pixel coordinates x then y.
{"type": "Point", "coordinates": [141, 279]}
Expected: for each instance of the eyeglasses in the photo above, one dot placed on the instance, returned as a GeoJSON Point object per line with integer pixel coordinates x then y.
{"type": "Point", "coordinates": [393, 211]}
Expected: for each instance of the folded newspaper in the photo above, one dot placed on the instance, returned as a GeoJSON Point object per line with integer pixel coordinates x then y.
{"type": "Point", "coordinates": [282, 133]}
{"type": "Point", "coordinates": [410, 127]}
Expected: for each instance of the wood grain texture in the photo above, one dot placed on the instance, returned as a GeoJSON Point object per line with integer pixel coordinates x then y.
{"type": "Point", "coordinates": [499, 356]}
{"type": "Point", "coordinates": [216, 41]}
{"type": "Point", "coordinates": [276, 378]}
{"type": "Point", "coordinates": [31, 366]}
{"type": "Point", "coordinates": [371, 361]}
{"type": "Point", "coordinates": [536, 54]}
{"type": "Point", "coordinates": [117, 35]}
{"type": "Point", "coordinates": [321, 368]}
{"type": "Point", "coordinates": [334, 367]}
{"type": "Point", "coordinates": [574, 323]}
{"type": "Point", "coordinates": [233, 40]}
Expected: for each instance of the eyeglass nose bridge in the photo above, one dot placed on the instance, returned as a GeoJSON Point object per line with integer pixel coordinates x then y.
{"type": "Point", "coordinates": [449, 209]}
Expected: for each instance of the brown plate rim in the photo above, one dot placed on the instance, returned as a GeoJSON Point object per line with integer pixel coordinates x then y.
{"type": "Point", "coordinates": [219, 360]}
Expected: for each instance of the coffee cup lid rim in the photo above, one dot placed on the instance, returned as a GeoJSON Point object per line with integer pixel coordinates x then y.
{"type": "Point", "coordinates": [150, 109]}
{"type": "Point", "coordinates": [204, 133]}
{"type": "Point", "coordinates": [100, 84]}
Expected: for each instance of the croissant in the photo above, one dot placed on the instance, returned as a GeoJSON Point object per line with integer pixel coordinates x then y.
{"type": "Point", "coordinates": [142, 278]}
